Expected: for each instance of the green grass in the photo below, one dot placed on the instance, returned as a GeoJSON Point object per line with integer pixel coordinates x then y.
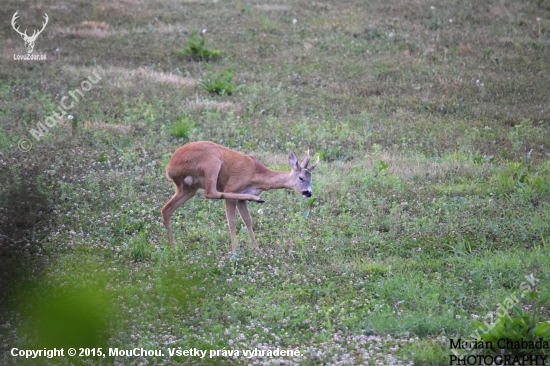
{"type": "Point", "coordinates": [432, 197]}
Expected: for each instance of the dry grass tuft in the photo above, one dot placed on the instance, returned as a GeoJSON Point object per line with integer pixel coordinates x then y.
{"type": "Point", "coordinates": [85, 32]}
{"type": "Point", "coordinates": [418, 166]}
{"type": "Point", "coordinates": [199, 104]}
{"type": "Point", "coordinates": [122, 77]}
{"type": "Point", "coordinates": [94, 24]}
{"type": "Point", "coordinates": [273, 7]}
{"type": "Point", "coordinates": [119, 129]}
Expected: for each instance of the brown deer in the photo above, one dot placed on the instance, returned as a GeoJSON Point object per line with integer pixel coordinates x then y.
{"type": "Point", "coordinates": [227, 174]}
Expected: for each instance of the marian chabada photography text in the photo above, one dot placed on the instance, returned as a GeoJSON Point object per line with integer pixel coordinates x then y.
{"type": "Point", "coordinates": [517, 352]}
{"type": "Point", "coordinates": [237, 182]}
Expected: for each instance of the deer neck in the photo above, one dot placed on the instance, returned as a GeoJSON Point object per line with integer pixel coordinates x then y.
{"type": "Point", "coordinates": [270, 179]}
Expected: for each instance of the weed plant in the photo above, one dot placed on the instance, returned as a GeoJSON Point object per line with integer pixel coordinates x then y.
{"type": "Point", "coordinates": [195, 48]}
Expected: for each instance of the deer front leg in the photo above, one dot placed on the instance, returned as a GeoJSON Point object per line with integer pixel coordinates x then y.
{"type": "Point", "coordinates": [243, 210]}
{"type": "Point", "coordinates": [232, 221]}
{"type": "Point", "coordinates": [232, 196]}
{"type": "Point", "coordinates": [211, 192]}
{"type": "Point", "coordinates": [167, 212]}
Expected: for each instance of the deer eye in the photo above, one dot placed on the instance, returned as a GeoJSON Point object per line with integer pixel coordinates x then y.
{"type": "Point", "coordinates": [301, 179]}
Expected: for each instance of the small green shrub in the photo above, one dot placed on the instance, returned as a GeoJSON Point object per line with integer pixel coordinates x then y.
{"type": "Point", "coordinates": [375, 33]}
{"type": "Point", "coordinates": [196, 49]}
{"type": "Point", "coordinates": [380, 167]}
{"type": "Point", "coordinates": [219, 83]}
{"type": "Point", "coordinates": [182, 128]}
{"type": "Point", "coordinates": [527, 134]}
{"type": "Point", "coordinates": [432, 23]}
{"type": "Point", "coordinates": [524, 327]}
{"type": "Point", "coordinates": [139, 249]}
{"type": "Point", "coordinates": [74, 123]}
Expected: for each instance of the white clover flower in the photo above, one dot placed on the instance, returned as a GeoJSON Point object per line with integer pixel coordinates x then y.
{"type": "Point", "coordinates": [294, 21]}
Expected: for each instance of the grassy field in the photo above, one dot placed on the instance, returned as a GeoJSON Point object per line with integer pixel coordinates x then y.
{"type": "Point", "coordinates": [431, 203]}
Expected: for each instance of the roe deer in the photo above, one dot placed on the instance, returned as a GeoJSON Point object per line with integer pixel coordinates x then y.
{"type": "Point", "coordinates": [227, 174]}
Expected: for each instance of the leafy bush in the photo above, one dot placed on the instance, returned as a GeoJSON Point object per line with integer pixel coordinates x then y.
{"type": "Point", "coordinates": [380, 167]}
{"type": "Point", "coordinates": [219, 83]}
{"type": "Point", "coordinates": [524, 328]}
{"type": "Point", "coordinates": [527, 134]}
{"type": "Point", "coordinates": [524, 176]}
{"type": "Point", "coordinates": [432, 23]}
{"type": "Point", "coordinates": [196, 49]}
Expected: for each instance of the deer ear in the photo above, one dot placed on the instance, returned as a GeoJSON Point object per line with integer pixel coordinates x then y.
{"type": "Point", "coordinates": [293, 161]}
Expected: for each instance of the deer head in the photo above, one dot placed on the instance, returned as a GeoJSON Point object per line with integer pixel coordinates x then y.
{"type": "Point", "coordinates": [301, 174]}
{"type": "Point", "coordinates": [29, 41]}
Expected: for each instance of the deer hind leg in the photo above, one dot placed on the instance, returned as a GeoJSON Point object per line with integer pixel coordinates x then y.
{"type": "Point", "coordinates": [243, 210]}
{"type": "Point", "coordinates": [179, 198]}
{"type": "Point", "coordinates": [232, 221]}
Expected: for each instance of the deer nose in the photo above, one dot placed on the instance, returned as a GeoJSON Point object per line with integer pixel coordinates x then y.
{"type": "Point", "coordinates": [306, 193]}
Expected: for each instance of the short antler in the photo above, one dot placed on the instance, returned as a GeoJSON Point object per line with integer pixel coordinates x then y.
{"type": "Point", "coordinates": [314, 165]}
{"type": "Point", "coordinates": [305, 162]}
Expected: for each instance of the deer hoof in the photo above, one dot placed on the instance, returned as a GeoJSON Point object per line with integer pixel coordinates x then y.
{"type": "Point", "coordinates": [260, 201]}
